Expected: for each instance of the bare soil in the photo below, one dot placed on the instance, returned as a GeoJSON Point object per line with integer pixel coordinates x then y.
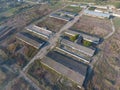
{"type": "Point", "coordinates": [52, 24]}
{"type": "Point", "coordinates": [107, 70]}
{"type": "Point", "coordinates": [91, 25]}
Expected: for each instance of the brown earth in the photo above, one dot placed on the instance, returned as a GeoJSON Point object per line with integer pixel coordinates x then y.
{"type": "Point", "coordinates": [107, 70]}
{"type": "Point", "coordinates": [52, 24]}
{"type": "Point", "coordinates": [91, 25]}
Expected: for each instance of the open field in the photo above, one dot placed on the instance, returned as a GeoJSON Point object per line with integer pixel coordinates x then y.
{"type": "Point", "coordinates": [117, 22]}
{"type": "Point", "coordinates": [2, 77]}
{"type": "Point", "coordinates": [48, 79]}
{"type": "Point", "coordinates": [3, 55]}
{"type": "Point", "coordinates": [107, 71]}
{"type": "Point", "coordinates": [11, 8]}
{"type": "Point", "coordinates": [73, 9]}
{"type": "Point", "coordinates": [52, 24]}
{"type": "Point", "coordinates": [19, 21]}
{"type": "Point", "coordinates": [95, 26]}
{"type": "Point", "coordinates": [106, 74]}
{"type": "Point", "coordinates": [17, 53]}
{"type": "Point", "coordinates": [33, 13]}
{"type": "Point", "coordinates": [21, 84]}
{"type": "Point", "coordinates": [26, 16]}
{"type": "Point", "coordinates": [18, 47]}
{"type": "Point", "coordinates": [5, 76]}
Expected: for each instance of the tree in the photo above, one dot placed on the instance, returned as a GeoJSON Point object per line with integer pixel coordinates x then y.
{"type": "Point", "coordinates": [73, 38]}
{"type": "Point", "coordinates": [86, 43]}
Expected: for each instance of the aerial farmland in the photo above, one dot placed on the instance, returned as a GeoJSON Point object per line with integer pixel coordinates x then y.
{"type": "Point", "coordinates": [59, 45]}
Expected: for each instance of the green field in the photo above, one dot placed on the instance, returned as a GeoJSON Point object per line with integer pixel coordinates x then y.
{"type": "Point", "coordinates": [73, 9]}
{"type": "Point", "coordinates": [116, 22]}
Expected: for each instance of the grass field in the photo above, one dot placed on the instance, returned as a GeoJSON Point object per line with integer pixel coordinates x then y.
{"type": "Point", "coordinates": [116, 22]}
{"type": "Point", "coordinates": [73, 9]}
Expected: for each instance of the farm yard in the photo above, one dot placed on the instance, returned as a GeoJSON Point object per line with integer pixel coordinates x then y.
{"type": "Point", "coordinates": [17, 53]}
{"type": "Point", "coordinates": [11, 8]}
{"type": "Point", "coordinates": [68, 62]}
{"type": "Point", "coordinates": [12, 49]}
{"type": "Point", "coordinates": [52, 24]}
{"type": "Point", "coordinates": [21, 84]}
{"type": "Point", "coordinates": [27, 60]}
{"type": "Point", "coordinates": [26, 17]}
{"type": "Point", "coordinates": [6, 75]}
{"type": "Point", "coordinates": [109, 57]}
{"type": "Point", "coordinates": [19, 21]}
{"type": "Point", "coordinates": [47, 79]}
{"type": "Point", "coordinates": [95, 26]}
{"type": "Point", "coordinates": [17, 46]}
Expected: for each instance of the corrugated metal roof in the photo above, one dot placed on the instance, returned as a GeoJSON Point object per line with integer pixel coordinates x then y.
{"type": "Point", "coordinates": [61, 69]}
{"type": "Point", "coordinates": [82, 49]}
{"type": "Point", "coordinates": [39, 30]}
{"type": "Point", "coordinates": [29, 41]}
{"type": "Point", "coordinates": [97, 14]}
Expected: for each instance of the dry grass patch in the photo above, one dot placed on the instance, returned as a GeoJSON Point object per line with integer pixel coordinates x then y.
{"type": "Point", "coordinates": [96, 26]}
{"type": "Point", "coordinates": [52, 24]}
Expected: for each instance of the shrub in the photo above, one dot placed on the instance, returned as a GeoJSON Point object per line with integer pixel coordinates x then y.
{"type": "Point", "coordinates": [87, 43]}
{"type": "Point", "coordinates": [73, 38]}
{"type": "Point", "coordinates": [92, 8]}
